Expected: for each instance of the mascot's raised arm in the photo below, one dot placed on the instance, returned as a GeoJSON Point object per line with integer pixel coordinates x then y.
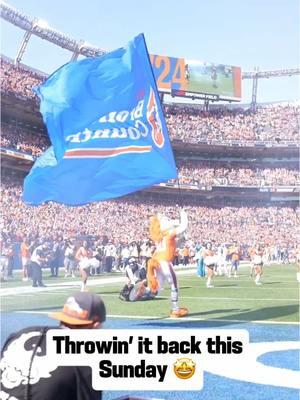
{"type": "Point", "coordinates": [163, 232]}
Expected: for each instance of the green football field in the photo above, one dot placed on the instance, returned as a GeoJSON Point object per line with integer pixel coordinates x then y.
{"type": "Point", "coordinates": [232, 299]}
{"type": "Point", "coordinates": [204, 84]}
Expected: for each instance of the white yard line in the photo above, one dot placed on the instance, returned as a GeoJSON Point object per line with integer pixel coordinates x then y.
{"type": "Point", "coordinates": [102, 281]}
{"type": "Point", "coordinates": [238, 279]}
{"type": "Point", "coordinates": [263, 287]}
{"type": "Point", "coordinates": [59, 286]}
{"type": "Point", "coordinates": [233, 298]}
{"type": "Point", "coordinates": [167, 297]}
{"type": "Point", "coordinates": [207, 298]}
{"type": "Point", "coordinates": [197, 298]}
{"type": "Point", "coordinates": [153, 317]}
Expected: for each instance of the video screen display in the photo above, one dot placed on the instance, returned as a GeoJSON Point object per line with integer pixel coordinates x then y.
{"type": "Point", "coordinates": [190, 76]}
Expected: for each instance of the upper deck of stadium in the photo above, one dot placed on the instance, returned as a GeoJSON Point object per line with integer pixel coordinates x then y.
{"type": "Point", "coordinates": [252, 148]}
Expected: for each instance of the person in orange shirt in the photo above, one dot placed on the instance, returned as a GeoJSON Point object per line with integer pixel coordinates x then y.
{"type": "Point", "coordinates": [25, 256]}
{"type": "Point", "coordinates": [163, 232]}
{"type": "Point", "coordinates": [186, 255]}
{"type": "Point", "coordinates": [251, 253]}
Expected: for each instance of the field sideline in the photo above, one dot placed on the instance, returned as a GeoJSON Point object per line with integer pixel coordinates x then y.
{"type": "Point", "coordinates": [232, 299]}
{"type": "Point", "coordinates": [270, 313]}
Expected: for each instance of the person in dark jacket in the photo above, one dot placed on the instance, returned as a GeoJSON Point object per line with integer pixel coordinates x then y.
{"type": "Point", "coordinates": [25, 372]}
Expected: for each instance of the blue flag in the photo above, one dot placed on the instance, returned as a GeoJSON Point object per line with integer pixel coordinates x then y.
{"type": "Point", "coordinates": [107, 129]}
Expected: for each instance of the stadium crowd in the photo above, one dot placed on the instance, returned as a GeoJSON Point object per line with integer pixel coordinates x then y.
{"type": "Point", "coordinates": [19, 81]}
{"type": "Point", "coordinates": [273, 123]}
{"type": "Point", "coordinates": [119, 229]}
{"type": "Point", "coordinates": [191, 172]}
{"type": "Point", "coordinates": [208, 173]}
{"type": "Point", "coordinates": [269, 123]}
{"type": "Point", "coordinates": [126, 220]}
{"type": "Point", "coordinates": [17, 138]}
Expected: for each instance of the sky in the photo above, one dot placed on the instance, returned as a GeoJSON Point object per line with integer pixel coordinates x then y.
{"type": "Point", "coordinates": [244, 33]}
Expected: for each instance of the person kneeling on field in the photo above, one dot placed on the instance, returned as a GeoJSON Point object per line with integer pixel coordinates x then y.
{"type": "Point", "coordinates": [136, 287]}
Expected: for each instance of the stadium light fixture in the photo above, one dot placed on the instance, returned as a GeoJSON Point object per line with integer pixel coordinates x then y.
{"type": "Point", "coordinates": [41, 28]}
{"type": "Point", "coordinates": [40, 23]}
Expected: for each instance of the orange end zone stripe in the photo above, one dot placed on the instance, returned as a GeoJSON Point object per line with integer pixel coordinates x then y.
{"type": "Point", "coordinates": [106, 152]}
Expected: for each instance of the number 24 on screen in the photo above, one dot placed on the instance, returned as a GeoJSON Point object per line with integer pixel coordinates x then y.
{"type": "Point", "coordinates": [169, 72]}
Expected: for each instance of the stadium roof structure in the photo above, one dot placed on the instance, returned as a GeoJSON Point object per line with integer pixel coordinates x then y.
{"type": "Point", "coordinates": [271, 74]}
{"type": "Point", "coordinates": [41, 29]}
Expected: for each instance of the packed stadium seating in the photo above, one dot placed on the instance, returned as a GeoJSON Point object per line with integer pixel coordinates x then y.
{"type": "Point", "coordinates": [19, 81]}
{"type": "Point", "coordinates": [17, 138]}
{"type": "Point", "coordinates": [118, 219]}
{"type": "Point", "coordinates": [190, 171]}
{"type": "Point", "coordinates": [235, 174]}
{"type": "Point", "coordinates": [273, 123]}
{"type": "Point", "coordinates": [238, 181]}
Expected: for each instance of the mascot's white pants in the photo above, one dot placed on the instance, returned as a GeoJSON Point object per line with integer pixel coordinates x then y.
{"type": "Point", "coordinates": [166, 273]}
